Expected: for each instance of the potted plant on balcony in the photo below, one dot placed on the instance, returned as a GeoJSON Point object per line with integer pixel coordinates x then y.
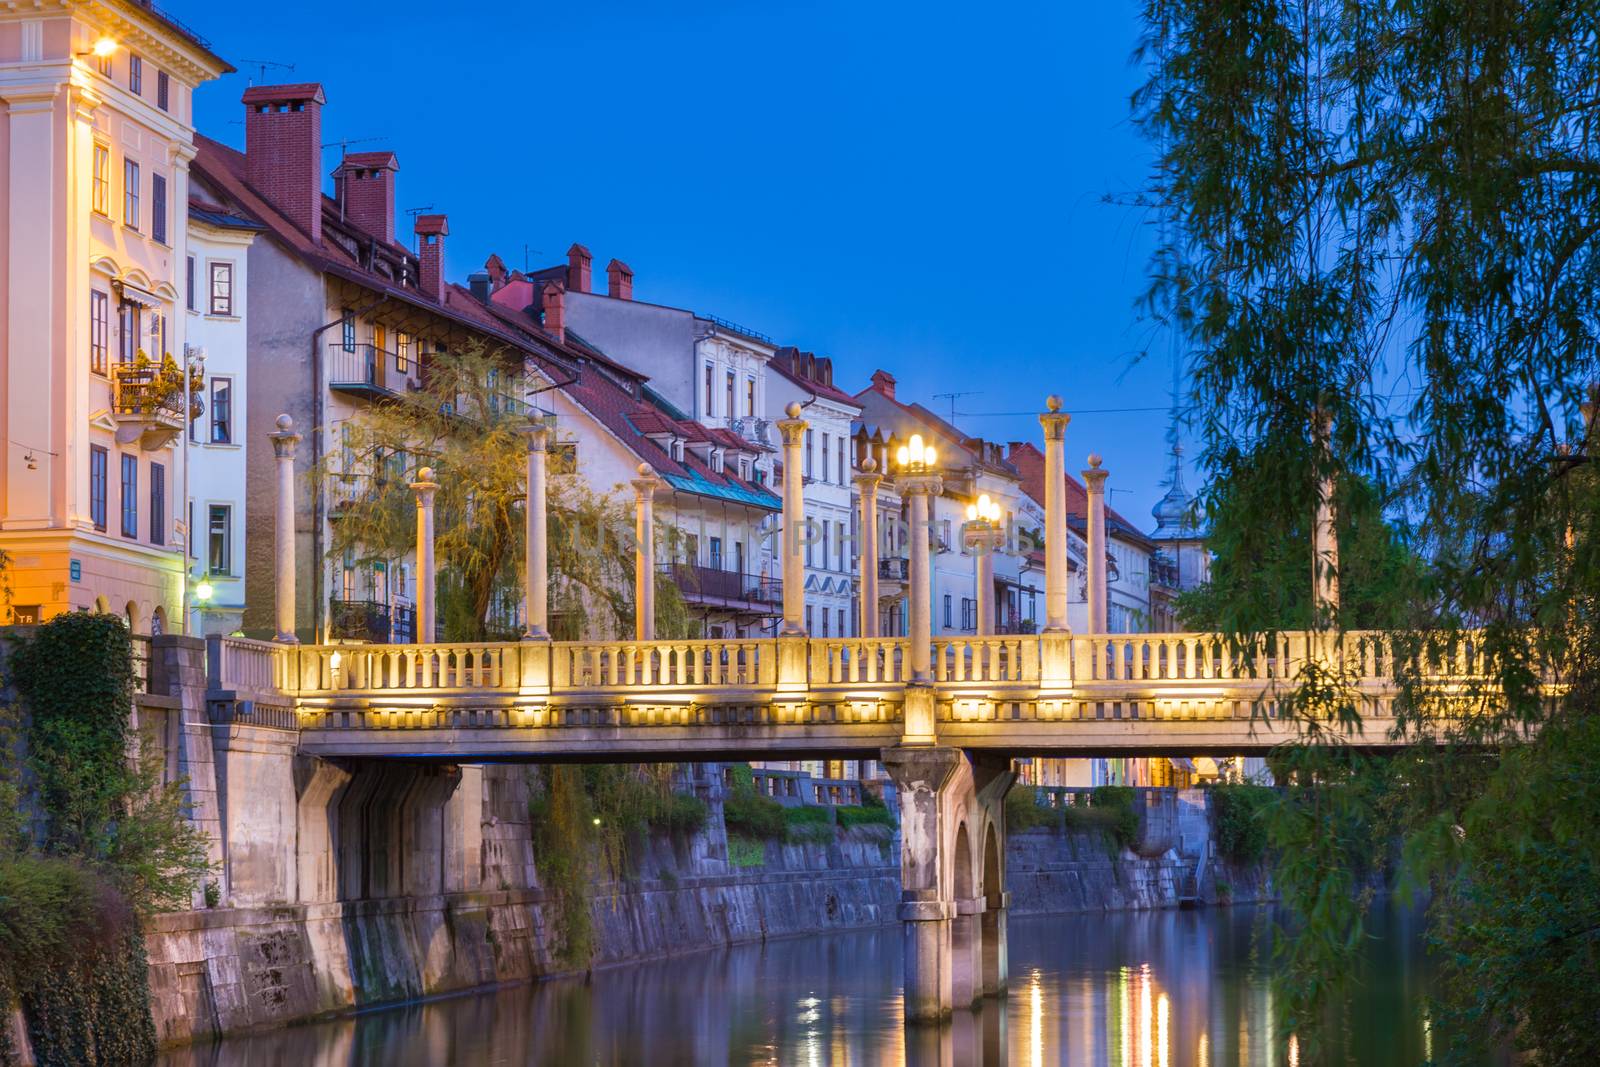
{"type": "Point", "coordinates": [150, 399]}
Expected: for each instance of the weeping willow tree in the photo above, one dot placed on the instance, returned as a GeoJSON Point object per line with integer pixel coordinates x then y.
{"type": "Point", "coordinates": [1386, 212]}
{"type": "Point", "coordinates": [466, 423]}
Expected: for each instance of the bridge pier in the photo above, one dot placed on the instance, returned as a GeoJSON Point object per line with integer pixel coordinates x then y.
{"type": "Point", "coordinates": [952, 901]}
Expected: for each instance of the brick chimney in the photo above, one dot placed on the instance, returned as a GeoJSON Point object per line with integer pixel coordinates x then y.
{"type": "Point", "coordinates": [883, 382]}
{"type": "Point", "coordinates": [431, 232]}
{"type": "Point", "coordinates": [283, 150]}
{"type": "Point", "coordinates": [363, 183]}
{"type": "Point", "coordinates": [580, 266]}
{"type": "Point", "coordinates": [619, 280]}
{"type": "Point", "coordinates": [555, 311]}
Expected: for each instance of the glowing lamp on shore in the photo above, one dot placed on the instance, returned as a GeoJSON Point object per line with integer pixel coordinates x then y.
{"type": "Point", "coordinates": [203, 592]}
{"type": "Point", "coordinates": [983, 510]}
{"type": "Point", "coordinates": [915, 455]}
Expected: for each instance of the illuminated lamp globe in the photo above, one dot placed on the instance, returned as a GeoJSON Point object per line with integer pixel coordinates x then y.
{"type": "Point", "coordinates": [104, 46]}
{"type": "Point", "coordinates": [203, 591]}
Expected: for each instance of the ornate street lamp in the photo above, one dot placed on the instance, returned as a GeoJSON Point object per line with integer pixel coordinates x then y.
{"type": "Point", "coordinates": [918, 482]}
{"type": "Point", "coordinates": [983, 538]}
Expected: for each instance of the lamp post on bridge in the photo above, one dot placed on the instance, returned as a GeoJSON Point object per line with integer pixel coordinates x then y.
{"type": "Point", "coordinates": [425, 488]}
{"type": "Point", "coordinates": [983, 537]}
{"type": "Point", "coordinates": [283, 446]}
{"type": "Point", "coordinates": [536, 575]}
{"type": "Point", "coordinates": [644, 554]}
{"type": "Point", "coordinates": [918, 482]}
{"type": "Point", "coordinates": [867, 482]}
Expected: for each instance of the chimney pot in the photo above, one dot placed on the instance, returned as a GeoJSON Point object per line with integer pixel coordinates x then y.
{"type": "Point", "coordinates": [478, 282]}
{"type": "Point", "coordinates": [619, 280]}
{"type": "Point", "coordinates": [431, 231]}
{"type": "Point", "coordinates": [555, 311]}
{"type": "Point", "coordinates": [363, 183]}
{"type": "Point", "coordinates": [283, 150]}
{"type": "Point", "coordinates": [579, 268]}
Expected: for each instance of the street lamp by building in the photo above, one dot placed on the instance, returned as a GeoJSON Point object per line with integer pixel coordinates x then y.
{"type": "Point", "coordinates": [983, 538]}
{"type": "Point", "coordinates": [918, 482]}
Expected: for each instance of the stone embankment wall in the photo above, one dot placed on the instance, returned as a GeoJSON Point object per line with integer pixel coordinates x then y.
{"type": "Point", "coordinates": [229, 969]}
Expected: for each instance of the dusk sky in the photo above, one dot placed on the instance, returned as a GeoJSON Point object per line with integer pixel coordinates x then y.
{"type": "Point", "coordinates": [914, 186]}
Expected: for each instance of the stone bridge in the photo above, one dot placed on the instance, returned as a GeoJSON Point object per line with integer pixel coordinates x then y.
{"type": "Point", "coordinates": [946, 732]}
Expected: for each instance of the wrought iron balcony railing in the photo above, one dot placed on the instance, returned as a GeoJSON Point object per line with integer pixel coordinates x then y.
{"type": "Point", "coordinates": [706, 585]}
{"type": "Point", "coordinates": [359, 620]}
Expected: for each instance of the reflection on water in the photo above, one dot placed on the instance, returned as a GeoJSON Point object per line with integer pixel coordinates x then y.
{"type": "Point", "coordinates": [1160, 989]}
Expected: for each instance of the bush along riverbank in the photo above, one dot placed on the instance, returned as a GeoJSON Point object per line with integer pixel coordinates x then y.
{"type": "Point", "coordinates": [91, 845]}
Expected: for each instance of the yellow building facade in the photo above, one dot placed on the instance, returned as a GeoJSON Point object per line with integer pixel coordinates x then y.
{"type": "Point", "coordinates": [96, 135]}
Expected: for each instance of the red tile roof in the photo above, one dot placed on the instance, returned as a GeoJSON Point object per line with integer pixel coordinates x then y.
{"type": "Point", "coordinates": [811, 373]}
{"type": "Point", "coordinates": [1029, 461]}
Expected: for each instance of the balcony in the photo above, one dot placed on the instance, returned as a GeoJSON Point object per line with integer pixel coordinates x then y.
{"type": "Point", "coordinates": [359, 620]}
{"type": "Point", "coordinates": [367, 370]}
{"type": "Point", "coordinates": [894, 569]}
{"type": "Point", "coordinates": [147, 403]}
{"type": "Point", "coordinates": [713, 587]}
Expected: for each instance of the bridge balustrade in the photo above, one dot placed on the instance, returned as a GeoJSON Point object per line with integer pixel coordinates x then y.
{"type": "Point", "coordinates": [744, 664]}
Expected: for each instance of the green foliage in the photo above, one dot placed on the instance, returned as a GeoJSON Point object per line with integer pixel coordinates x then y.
{"type": "Point", "coordinates": [466, 424]}
{"type": "Point", "coordinates": [681, 815]}
{"type": "Point", "coordinates": [745, 852]}
{"type": "Point", "coordinates": [1384, 214]}
{"type": "Point", "coordinates": [747, 813]}
{"type": "Point", "coordinates": [113, 844]}
{"type": "Point", "coordinates": [1024, 812]}
{"type": "Point", "coordinates": [850, 816]}
{"type": "Point", "coordinates": [1114, 806]}
{"type": "Point", "coordinates": [809, 824]}
{"type": "Point", "coordinates": [1239, 819]}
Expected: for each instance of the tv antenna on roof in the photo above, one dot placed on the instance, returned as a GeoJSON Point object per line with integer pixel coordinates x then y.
{"type": "Point", "coordinates": [952, 397]}
{"type": "Point", "coordinates": [263, 64]}
{"type": "Point", "coordinates": [344, 143]}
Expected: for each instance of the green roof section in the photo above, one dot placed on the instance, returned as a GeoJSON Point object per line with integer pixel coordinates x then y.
{"type": "Point", "coordinates": [694, 483]}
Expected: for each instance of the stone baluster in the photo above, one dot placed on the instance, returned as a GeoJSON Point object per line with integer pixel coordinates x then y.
{"type": "Point", "coordinates": [644, 554]}
{"type": "Point", "coordinates": [867, 482]}
{"type": "Point", "coordinates": [425, 488]}
{"type": "Point", "coordinates": [283, 447]}
{"type": "Point", "coordinates": [1094, 479]}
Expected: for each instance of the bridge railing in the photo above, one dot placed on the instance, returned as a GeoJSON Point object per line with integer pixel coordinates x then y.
{"type": "Point", "coordinates": [462, 666]}
{"type": "Point", "coordinates": [718, 664]}
{"type": "Point", "coordinates": [1010, 659]}
{"type": "Point", "coordinates": [858, 660]}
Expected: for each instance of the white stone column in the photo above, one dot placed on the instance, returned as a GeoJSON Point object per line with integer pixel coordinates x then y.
{"type": "Point", "coordinates": [867, 483]}
{"type": "Point", "coordinates": [283, 446]}
{"type": "Point", "coordinates": [536, 563]}
{"type": "Point", "coordinates": [1055, 423]}
{"type": "Point", "coordinates": [425, 487]}
{"type": "Point", "coordinates": [644, 554]}
{"type": "Point", "coordinates": [981, 543]}
{"type": "Point", "coordinates": [918, 489]}
{"type": "Point", "coordinates": [1324, 537]}
{"type": "Point", "coordinates": [793, 430]}
{"type": "Point", "coordinates": [1094, 479]}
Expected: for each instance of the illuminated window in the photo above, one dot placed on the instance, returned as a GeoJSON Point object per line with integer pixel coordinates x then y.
{"type": "Point", "coordinates": [749, 396]}
{"type": "Point", "coordinates": [102, 180]}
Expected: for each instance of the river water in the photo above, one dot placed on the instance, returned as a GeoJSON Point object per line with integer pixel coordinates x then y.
{"type": "Point", "coordinates": [1128, 989]}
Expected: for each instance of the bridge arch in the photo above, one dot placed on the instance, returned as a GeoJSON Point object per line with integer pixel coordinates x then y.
{"type": "Point", "coordinates": [964, 870]}
{"type": "Point", "coordinates": [995, 964]}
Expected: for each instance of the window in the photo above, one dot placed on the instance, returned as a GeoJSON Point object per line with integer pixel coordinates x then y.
{"type": "Point", "coordinates": [838, 540]}
{"type": "Point", "coordinates": [711, 375]}
{"type": "Point", "coordinates": [347, 330]}
{"type": "Point", "coordinates": [808, 618]}
{"type": "Point", "coordinates": [824, 525]}
{"type": "Point", "coordinates": [738, 557]}
{"type": "Point", "coordinates": [969, 614]}
{"type": "Point", "coordinates": [130, 496]}
{"type": "Point", "coordinates": [99, 331]}
{"type": "Point", "coordinates": [158, 504]}
{"type": "Point", "coordinates": [188, 284]}
{"type": "Point", "coordinates": [222, 411]}
{"type": "Point", "coordinates": [135, 75]}
{"type": "Point", "coordinates": [128, 343]}
{"type": "Point", "coordinates": [824, 622]}
{"type": "Point", "coordinates": [102, 180]}
{"type": "Point", "coordinates": [97, 487]}
{"type": "Point", "coordinates": [163, 91]}
{"type": "Point", "coordinates": [103, 64]}
{"type": "Point", "coordinates": [841, 623]}
{"type": "Point", "coordinates": [158, 207]}
{"type": "Point", "coordinates": [130, 194]}
{"type": "Point", "coordinates": [947, 611]}
{"type": "Point", "coordinates": [222, 298]}
{"type": "Point", "coordinates": [824, 455]}
{"type": "Point", "coordinates": [841, 461]}
{"type": "Point", "coordinates": [219, 533]}
{"type": "Point", "coordinates": [716, 553]}
{"type": "Point", "coordinates": [158, 334]}
{"type": "Point", "coordinates": [402, 353]}
{"type": "Point", "coordinates": [809, 443]}
{"type": "Point", "coordinates": [729, 410]}
{"type": "Point", "coordinates": [380, 342]}
{"type": "Point", "coordinates": [749, 396]}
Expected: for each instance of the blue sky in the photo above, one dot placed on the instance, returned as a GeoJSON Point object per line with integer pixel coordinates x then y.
{"type": "Point", "coordinates": [917, 186]}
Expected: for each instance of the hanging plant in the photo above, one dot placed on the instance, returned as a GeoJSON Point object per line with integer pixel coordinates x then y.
{"type": "Point", "coordinates": [164, 385]}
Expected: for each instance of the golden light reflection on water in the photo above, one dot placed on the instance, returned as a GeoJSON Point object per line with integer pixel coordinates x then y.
{"type": "Point", "coordinates": [1035, 1021]}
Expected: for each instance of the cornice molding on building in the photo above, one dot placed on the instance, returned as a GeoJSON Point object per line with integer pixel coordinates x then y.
{"type": "Point", "coordinates": [151, 36]}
